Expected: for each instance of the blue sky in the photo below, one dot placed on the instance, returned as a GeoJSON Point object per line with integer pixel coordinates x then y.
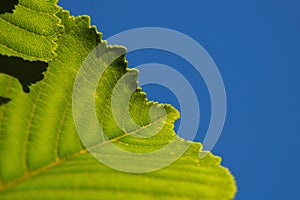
{"type": "Point", "coordinates": [256, 46]}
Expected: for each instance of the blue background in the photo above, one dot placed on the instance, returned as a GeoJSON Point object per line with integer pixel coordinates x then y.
{"type": "Point", "coordinates": [256, 46]}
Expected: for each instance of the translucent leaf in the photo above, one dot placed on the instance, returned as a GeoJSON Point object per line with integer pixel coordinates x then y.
{"type": "Point", "coordinates": [31, 30]}
{"type": "Point", "coordinates": [42, 156]}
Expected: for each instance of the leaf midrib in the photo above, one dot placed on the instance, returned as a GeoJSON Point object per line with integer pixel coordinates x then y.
{"type": "Point", "coordinates": [30, 174]}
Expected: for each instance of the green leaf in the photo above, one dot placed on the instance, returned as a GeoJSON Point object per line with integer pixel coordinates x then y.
{"type": "Point", "coordinates": [31, 30]}
{"type": "Point", "coordinates": [41, 154]}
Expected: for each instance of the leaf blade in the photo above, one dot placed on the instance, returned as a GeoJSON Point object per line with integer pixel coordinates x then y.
{"type": "Point", "coordinates": [43, 120]}
{"type": "Point", "coordinates": [31, 30]}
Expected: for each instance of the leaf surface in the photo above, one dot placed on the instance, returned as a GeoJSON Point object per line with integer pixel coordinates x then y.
{"type": "Point", "coordinates": [41, 155]}
{"type": "Point", "coordinates": [30, 31]}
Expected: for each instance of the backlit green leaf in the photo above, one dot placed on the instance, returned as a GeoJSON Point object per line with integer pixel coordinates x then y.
{"type": "Point", "coordinates": [31, 30]}
{"type": "Point", "coordinates": [41, 155]}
